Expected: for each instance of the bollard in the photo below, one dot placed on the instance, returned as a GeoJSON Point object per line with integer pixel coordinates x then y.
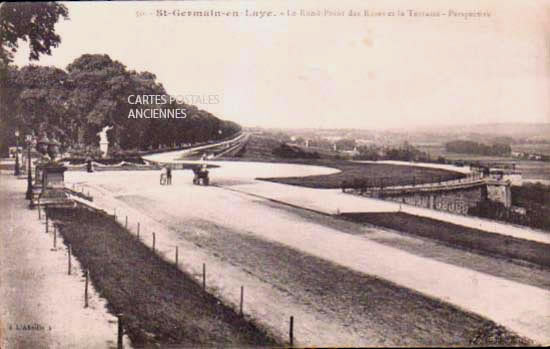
{"type": "Point", "coordinates": [46, 214]}
{"type": "Point", "coordinates": [154, 238]}
{"type": "Point", "coordinates": [126, 224]}
{"type": "Point", "coordinates": [291, 331]}
{"type": "Point", "coordinates": [242, 298]}
{"type": "Point", "coordinates": [204, 276]}
{"type": "Point", "coordinates": [120, 332]}
{"type": "Point", "coordinates": [176, 256]}
{"type": "Point", "coordinates": [54, 237]}
{"type": "Point", "coordinates": [39, 214]}
{"type": "Point", "coordinates": [69, 262]}
{"type": "Point", "coordinates": [86, 289]}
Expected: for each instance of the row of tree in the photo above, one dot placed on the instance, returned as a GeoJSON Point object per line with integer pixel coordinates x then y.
{"type": "Point", "coordinates": [469, 147]}
{"type": "Point", "coordinates": [73, 105]}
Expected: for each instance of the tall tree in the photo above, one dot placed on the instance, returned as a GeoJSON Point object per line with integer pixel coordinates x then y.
{"type": "Point", "coordinates": [35, 24]}
{"type": "Point", "coordinates": [31, 22]}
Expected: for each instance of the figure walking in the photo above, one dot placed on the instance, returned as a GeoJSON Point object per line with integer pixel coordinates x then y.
{"type": "Point", "coordinates": [169, 175]}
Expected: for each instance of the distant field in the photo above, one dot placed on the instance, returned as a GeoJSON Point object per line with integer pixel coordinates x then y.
{"type": "Point", "coordinates": [529, 169]}
{"type": "Point", "coordinates": [371, 173]}
{"type": "Point", "coordinates": [532, 148]}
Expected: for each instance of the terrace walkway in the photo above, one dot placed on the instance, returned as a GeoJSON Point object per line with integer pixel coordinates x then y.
{"type": "Point", "coordinates": [42, 306]}
{"type": "Point", "coordinates": [333, 201]}
{"type": "Point", "coordinates": [522, 308]}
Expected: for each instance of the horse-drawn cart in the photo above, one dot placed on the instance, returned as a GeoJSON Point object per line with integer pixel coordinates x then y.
{"type": "Point", "coordinates": [201, 176]}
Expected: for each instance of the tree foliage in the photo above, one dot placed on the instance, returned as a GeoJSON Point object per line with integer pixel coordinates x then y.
{"type": "Point", "coordinates": [33, 22]}
{"type": "Point", "coordinates": [469, 147]}
{"type": "Point", "coordinates": [73, 105]}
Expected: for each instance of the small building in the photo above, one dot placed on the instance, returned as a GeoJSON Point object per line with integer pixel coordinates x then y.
{"type": "Point", "coordinates": [506, 174]}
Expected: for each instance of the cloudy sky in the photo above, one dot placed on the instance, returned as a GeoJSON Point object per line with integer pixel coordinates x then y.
{"type": "Point", "coordinates": [352, 72]}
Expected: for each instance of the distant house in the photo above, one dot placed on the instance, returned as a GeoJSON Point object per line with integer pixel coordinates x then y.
{"type": "Point", "coordinates": [352, 153]}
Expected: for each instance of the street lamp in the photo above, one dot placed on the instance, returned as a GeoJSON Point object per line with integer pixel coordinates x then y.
{"type": "Point", "coordinates": [29, 139]}
{"type": "Point", "coordinates": [17, 172]}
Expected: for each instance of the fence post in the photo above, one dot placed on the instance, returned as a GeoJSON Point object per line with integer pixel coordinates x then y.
{"type": "Point", "coordinates": [204, 276]}
{"type": "Point", "coordinates": [119, 332]}
{"type": "Point", "coordinates": [86, 290]}
{"type": "Point", "coordinates": [154, 240]}
{"type": "Point", "coordinates": [242, 298]}
{"type": "Point", "coordinates": [291, 331]}
{"type": "Point", "coordinates": [69, 262]}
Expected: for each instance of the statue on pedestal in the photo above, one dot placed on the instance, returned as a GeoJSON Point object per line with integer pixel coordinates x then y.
{"type": "Point", "coordinates": [103, 141]}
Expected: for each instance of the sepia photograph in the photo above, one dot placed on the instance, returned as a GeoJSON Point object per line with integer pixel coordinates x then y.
{"type": "Point", "coordinates": [274, 174]}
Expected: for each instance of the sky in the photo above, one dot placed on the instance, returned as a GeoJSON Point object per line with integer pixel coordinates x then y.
{"type": "Point", "coordinates": [330, 71]}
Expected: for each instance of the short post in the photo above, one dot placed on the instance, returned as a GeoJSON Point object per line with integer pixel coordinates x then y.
{"type": "Point", "coordinates": [39, 214]}
{"type": "Point", "coordinates": [119, 332]}
{"type": "Point", "coordinates": [291, 331]}
{"type": "Point", "coordinates": [86, 289]}
{"type": "Point", "coordinates": [69, 261]}
{"type": "Point", "coordinates": [176, 256]}
{"type": "Point", "coordinates": [242, 298]}
{"type": "Point", "coordinates": [204, 276]}
{"type": "Point", "coordinates": [47, 222]}
{"type": "Point", "coordinates": [154, 238]}
{"type": "Point", "coordinates": [54, 237]}
{"type": "Point", "coordinates": [126, 224]}
{"type": "Point", "coordinates": [138, 230]}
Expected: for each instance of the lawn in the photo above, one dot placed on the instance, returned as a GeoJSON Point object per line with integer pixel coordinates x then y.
{"type": "Point", "coordinates": [162, 305]}
{"type": "Point", "coordinates": [372, 174]}
{"type": "Point", "coordinates": [458, 236]}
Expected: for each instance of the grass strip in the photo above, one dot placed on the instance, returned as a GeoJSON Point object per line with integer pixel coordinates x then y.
{"type": "Point", "coordinates": [458, 236]}
{"type": "Point", "coordinates": [161, 304]}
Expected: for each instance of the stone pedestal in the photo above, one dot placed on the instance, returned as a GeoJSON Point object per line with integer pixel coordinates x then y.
{"type": "Point", "coordinates": [52, 185]}
{"type": "Point", "coordinates": [104, 148]}
{"type": "Point", "coordinates": [53, 177]}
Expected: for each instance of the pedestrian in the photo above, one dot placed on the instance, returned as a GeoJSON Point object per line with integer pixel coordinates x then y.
{"type": "Point", "coordinates": [163, 175]}
{"type": "Point", "coordinates": [169, 175]}
{"type": "Point", "coordinates": [89, 165]}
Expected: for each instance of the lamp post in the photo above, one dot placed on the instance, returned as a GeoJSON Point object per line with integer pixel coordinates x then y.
{"type": "Point", "coordinates": [29, 139]}
{"type": "Point", "coordinates": [17, 171]}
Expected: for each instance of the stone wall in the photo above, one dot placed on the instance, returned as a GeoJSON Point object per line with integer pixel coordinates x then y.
{"type": "Point", "coordinates": [455, 201]}
{"type": "Point", "coordinates": [499, 192]}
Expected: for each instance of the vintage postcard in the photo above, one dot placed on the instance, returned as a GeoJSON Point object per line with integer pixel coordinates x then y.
{"type": "Point", "coordinates": [181, 174]}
